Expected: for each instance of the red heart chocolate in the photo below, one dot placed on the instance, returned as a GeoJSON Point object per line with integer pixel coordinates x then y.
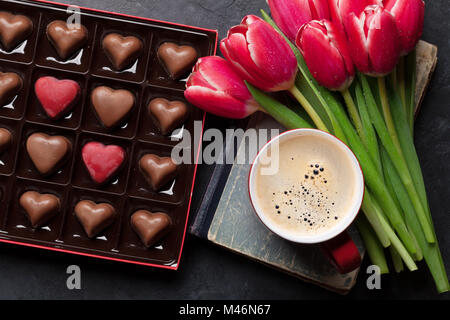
{"type": "Point", "coordinates": [168, 115]}
{"type": "Point", "coordinates": [40, 208]}
{"type": "Point", "coordinates": [10, 86]}
{"type": "Point", "coordinates": [48, 153]}
{"type": "Point", "coordinates": [57, 97]}
{"type": "Point", "coordinates": [157, 170]}
{"type": "Point", "coordinates": [111, 106]}
{"type": "Point", "coordinates": [66, 38]}
{"type": "Point", "coordinates": [177, 60]}
{"type": "Point", "coordinates": [14, 29]}
{"type": "Point", "coordinates": [94, 217]}
{"type": "Point", "coordinates": [102, 161]}
{"type": "Point", "coordinates": [150, 227]}
{"type": "Point", "coordinates": [5, 139]}
{"type": "Point", "coordinates": [122, 51]}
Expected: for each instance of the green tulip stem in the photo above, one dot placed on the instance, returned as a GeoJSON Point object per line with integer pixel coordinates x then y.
{"type": "Point", "coordinates": [400, 80]}
{"type": "Point", "coordinates": [387, 114]}
{"type": "Point", "coordinates": [354, 114]}
{"type": "Point", "coordinates": [308, 108]}
{"type": "Point", "coordinates": [374, 248]}
{"type": "Point", "coordinates": [397, 158]}
{"type": "Point", "coordinates": [277, 110]}
{"type": "Point", "coordinates": [396, 260]}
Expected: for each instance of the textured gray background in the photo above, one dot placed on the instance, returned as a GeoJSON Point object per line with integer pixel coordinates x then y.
{"type": "Point", "coordinates": [211, 272]}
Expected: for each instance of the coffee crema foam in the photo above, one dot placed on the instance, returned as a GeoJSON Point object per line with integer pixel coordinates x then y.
{"type": "Point", "coordinates": [313, 189]}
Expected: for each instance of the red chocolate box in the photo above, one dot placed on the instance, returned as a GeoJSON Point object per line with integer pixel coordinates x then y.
{"type": "Point", "coordinates": [71, 52]}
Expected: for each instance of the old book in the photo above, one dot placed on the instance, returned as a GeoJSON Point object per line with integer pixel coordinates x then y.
{"type": "Point", "coordinates": [227, 219]}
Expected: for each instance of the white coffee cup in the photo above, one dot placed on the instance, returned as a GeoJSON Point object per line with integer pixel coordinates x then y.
{"type": "Point", "coordinates": [334, 240]}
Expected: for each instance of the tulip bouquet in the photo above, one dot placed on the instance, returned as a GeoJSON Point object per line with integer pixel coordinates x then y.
{"type": "Point", "coordinates": [329, 54]}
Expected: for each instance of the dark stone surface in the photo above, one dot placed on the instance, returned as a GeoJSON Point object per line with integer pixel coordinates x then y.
{"type": "Point", "coordinates": [211, 272]}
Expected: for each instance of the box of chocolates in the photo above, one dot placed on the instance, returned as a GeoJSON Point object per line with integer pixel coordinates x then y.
{"type": "Point", "coordinates": [91, 109]}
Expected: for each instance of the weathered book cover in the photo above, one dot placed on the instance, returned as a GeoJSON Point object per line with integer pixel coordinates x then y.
{"type": "Point", "coordinates": [226, 217]}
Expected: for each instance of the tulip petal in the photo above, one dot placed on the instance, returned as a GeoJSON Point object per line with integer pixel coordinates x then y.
{"type": "Point", "coordinates": [271, 53]}
{"type": "Point", "coordinates": [326, 54]}
{"type": "Point", "coordinates": [409, 16]}
{"type": "Point", "coordinates": [235, 50]}
{"type": "Point", "coordinates": [358, 43]}
{"type": "Point", "coordinates": [219, 103]}
{"type": "Point", "coordinates": [340, 42]}
{"type": "Point", "coordinates": [260, 55]}
{"type": "Point", "coordinates": [341, 10]}
{"type": "Point", "coordinates": [290, 15]}
{"type": "Point", "coordinates": [383, 44]}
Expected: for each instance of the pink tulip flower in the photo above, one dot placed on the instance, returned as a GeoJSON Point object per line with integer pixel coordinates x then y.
{"type": "Point", "coordinates": [290, 15]}
{"type": "Point", "coordinates": [260, 55]}
{"type": "Point", "coordinates": [409, 15]}
{"type": "Point", "coordinates": [373, 41]}
{"type": "Point", "coordinates": [325, 50]}
{"type": "Point", "coordinates": [341, 9]}
{"type": "Point", "coordinates": [216, 88]}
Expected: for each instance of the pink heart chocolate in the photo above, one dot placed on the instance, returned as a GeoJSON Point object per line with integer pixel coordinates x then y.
{"type": "Point", "coordinates": [57, 97]}
{"type": "Point", "coordinates": [102, 161]}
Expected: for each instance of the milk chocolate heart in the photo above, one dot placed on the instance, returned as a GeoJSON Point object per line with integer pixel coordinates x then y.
{"type": "Point", "coordinates": [94, 217]}
{"type": "Point", "coordinates": [102, 161]}
{"type": "Point", "coordinates": [48, 153]}
{"type": "Point", "coordinates": [40, 208]}
{"type": "Point", "coordinates": [177, 59]}
{"type": "Point", "coordinates": [168, 115]}
{"type": "Point", "coordinates": [111, 106]}
{"type": "Point", "coordinates": [158, 171]}
{"type": "Point", "coordinates": [122, 51]}
{"type": "Point", "coordinates": [150, 227]}
{"type": "Point", "coordinates": [10, 86]}
{"type": "Point", "coordinates": [57, 97]}
{"type": "Point", "coordinates": [67, 39]}
{"type": "Point", "coordinates": [5, 139]}
{"type": "Point", "coordinates": [14, 29]}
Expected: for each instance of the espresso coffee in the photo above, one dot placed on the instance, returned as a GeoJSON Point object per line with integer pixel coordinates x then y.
{"type": "Point", "coordinates": [314, 188]}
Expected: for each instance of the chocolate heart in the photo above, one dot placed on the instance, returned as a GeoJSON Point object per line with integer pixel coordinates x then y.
{"type": "Point", "coordinates": [10, 86]}
{"type": "Point", "coordinates": [167, 115]}
{"type": "Point", "coordinates": [150, 227]}
{"type": "Point", "coordinates": [14, 29]}
{"type": "Point", "coordinates": [66, 38]}
{"type": "Point", "coordinates": [40, 208]}
{"type": "Point", "coordinates": [177, 59]}
{"type": "Point", "coordinates": [5, 139]}
{"type": "Point", "coordinates": [57, 97]}
{"type": "Point", "coordinates": [158, 171]}
{"type": "Point", "coordinates": [48, 153]}
{"type": "Point", "coordinates": [111, 106]}
{"type": "Point", "coordinates": [102, 161]}
{"type": "Point", "coordinates": [122, 51]}
{"type": "Point", "coordinates": [94, 217]}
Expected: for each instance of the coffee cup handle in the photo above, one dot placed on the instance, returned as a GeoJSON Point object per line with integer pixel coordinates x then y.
{"type": "Point", "coordinates": [342, 252]}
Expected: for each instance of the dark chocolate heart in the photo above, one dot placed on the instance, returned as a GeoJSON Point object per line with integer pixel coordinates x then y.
{"type": "Point", "coordinates": [111, 106]}
{"type": "Point", "coordinates": [5, 139]}
{"type": "Point", "coordinates": [122, 51]}
{"type": "Point", "coordinates": [177, 59]}
{"type": "Point", "coordinates": [40, 208]}
{"type": "Point", "coordinates": [66, 38]}
{"type": "Point", "coordinates": [10, 86]}
{"type": "Point", "coordinates": [48, 153]}
{"type": "Point", "coordinates": [158, 171]}
{"type": "Point", "coordinates": [94, 217]}
{"type": "Point", "coordinates": [150, 227]}
{"type": "Point", "coordinates": [168, 115]}
{"type": "Point", "coordinates": [14, 29]}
